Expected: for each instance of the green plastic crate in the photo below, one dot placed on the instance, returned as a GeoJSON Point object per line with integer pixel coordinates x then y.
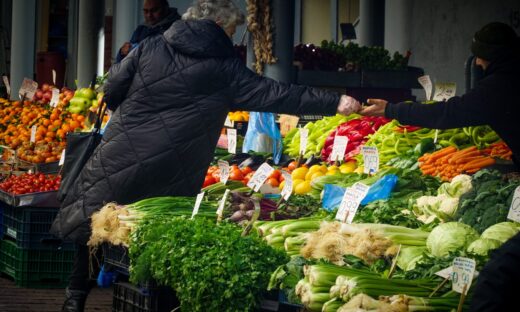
{"type": "Point", "coordinates": [35, 268]}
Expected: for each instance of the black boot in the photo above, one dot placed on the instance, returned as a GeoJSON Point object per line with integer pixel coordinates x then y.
{"type": "Point", "coordinates": [74, 300]}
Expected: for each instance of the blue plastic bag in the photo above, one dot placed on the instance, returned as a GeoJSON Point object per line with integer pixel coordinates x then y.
{"type": "Point", "coordinates": [263, 135]}
{"type": "Point", "coordinates": [381, 189]}
{"type": "Point", "coordinates": [105, 279]}
{"type": "Point", "coordinates": [332, 196]}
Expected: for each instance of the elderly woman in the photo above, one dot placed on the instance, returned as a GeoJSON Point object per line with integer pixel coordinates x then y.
{"type": "Point", "coordinates": [170, 97]}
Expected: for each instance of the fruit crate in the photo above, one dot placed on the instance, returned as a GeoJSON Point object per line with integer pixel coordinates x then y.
{"type": "Point", "coordinates": [116, 257]}
{"type": "Point", "coordinates": [130, 298]}
{"type": "Point", "coordinates": [35, 268]}
{"type": "Point", "coordinates": [29, 227]}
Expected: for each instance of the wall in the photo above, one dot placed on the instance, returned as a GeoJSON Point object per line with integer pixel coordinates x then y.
{"type": "Point", "coordinates": [442, 31]}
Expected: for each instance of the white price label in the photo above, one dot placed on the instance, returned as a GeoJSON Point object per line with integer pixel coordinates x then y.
{"type": "Point", "coordinates": [223, 166]}
{"type": "Point", "coordinates": [436, 137]}
{"type": "Point", "coordinates": [287, 123]}
{"type": "Point", "coordinates": [222, 204]}
{"type": "Point", "coordinates": [229, 123]}
{"type": "Point", "coordinates": [53, 77]}
{"type": "Point", "coordinates": [28, 89]}
{"type": "Point", "coordinates": [361, 190]}
{"type": "Point", "coordinates": [348, 207]}
{"type": "Point", "coordinates": [62, 158]}
{"type": "Point", "coordinates": [514, 210]}
{"type": "Point", "coordinates": [370, 158]}
{"type": "Point", "coordinates": [304, 138]}
{"type": "Point", "coordinates": [7, 85]}
{"type": "Point", "coordinates": [55, 97]}
{"type": "Point", "coordinates": [445, 273]}
{"type": "Point", "coordinates": [462, 275]}
{"type": "Point", "coordinates": [261, 174]}
{"type": "Point", "coordinates": [232, 141]}
{"type": "Point", "coordinates": [339, 148]}
{"type": "Point", "coordinates": [288, 185]}
{"type": "Point", "coordinates": [33, 134]}
{"type": "Point", "coordinates": [426, 83]}
{"type": "Point", "coordinates": [444, 91]}
{"type": "Point", "coordinates": [198, 201]}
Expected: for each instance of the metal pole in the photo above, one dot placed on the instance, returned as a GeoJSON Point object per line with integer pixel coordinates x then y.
{"type": "Point", "coordinates": [371, 23]}
{"type": "Point", "coordinates": [125, 22]}
{"type": "Point", "coordinates": [283, 36]}
{"type": "Point", "coordinates": [22, 43]}
{"type": "Point", "coordinates": [90, 23]}
{"type": "Point", "coordinates": [334, 20]}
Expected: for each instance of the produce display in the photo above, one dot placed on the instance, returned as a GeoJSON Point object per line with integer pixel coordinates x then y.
{"type": "Point", "coordinates": [30, 183]}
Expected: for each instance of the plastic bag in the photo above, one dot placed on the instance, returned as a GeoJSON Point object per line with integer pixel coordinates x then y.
{"type": "Point", "coordinates": [381, 189]}
{"type": "Point", "coordinates": [263, 135]}
{"type": "Point", "coordinates": [105, 279]}
{"type": "Point", "coordinates": [333, 194]}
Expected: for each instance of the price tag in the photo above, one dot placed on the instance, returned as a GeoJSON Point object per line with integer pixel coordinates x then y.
{"type": "Point", "coordinates": [350, 202]}
{"type": "Point", "coordinates": [55, 97]}
{"type": "Point", "coordinates": [229, 123]}
{"type": "Point", "coordinates": [287, 123]}
{"type": "Point", "coordinates": [232, 141]}
{"type": "Point", "coordinates": [288, 185]}
{"type": "Point", "coordinates": [62, 158]}
{"type": "Point", "coordinates": [222, 204]}
{"type": "Point", "coordinates": [7, 85]}
{"type": "Point", "coordinates": [224, 171]}
{"type": "Point", "coordinates": [445, 273]}
{"type": "Point", "coordinates": [462, 275]}
{"type": "Point", "coordinates": [339, 148]}
{"type": "Point", "coordinates": [370, 158]}
{"type": "Point", "coordinates": [304, 138]}
{"type": "Point", "coordinates": [198, 201]}
{"type": "Point", "coordinates": [33, 134]}
{"type": "Point", "coordinates": [444, 91]}
{"type": "Point", "coordinates": [514, 210]}
{"type": "Point", "coordinates": [261, 174]}
{"type": "Point", "coordinates": [53, 77]}
{"type": "Point", "coordinates": [426, 83]}
{"type": "Point", "coordinates": [28, 88]}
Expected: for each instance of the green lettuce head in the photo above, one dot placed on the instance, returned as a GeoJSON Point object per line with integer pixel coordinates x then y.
{"type": "Point", "coordinates": [450, 237]}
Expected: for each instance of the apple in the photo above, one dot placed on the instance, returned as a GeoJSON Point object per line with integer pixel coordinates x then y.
{"type": "Point", "coordinates": [45, 87]}
{"type": "Point", "coordinates": [38, 95]}
{"type": "Point", "coordinates": [47, 96]}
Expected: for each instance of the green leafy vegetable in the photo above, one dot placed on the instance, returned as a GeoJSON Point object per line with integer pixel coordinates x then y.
{"type": "Point", "coordinates": [449, 238]}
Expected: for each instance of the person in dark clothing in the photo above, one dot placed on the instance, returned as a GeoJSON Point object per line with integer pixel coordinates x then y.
{"type": "Point", "coordinates": [158, 17]}
{"type": "Point", "coordinates": [170, 97]}
{"type": "Point", "coordinates": [494, 102]}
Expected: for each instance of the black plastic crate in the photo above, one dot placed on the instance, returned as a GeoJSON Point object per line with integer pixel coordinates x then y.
{"type": "Point", "coordinates": [130, 298]}
{"type": "Point", "coordinates": [35, 268]}
{"type": "Point", "coordinates": [116, 257]}
{"type": "Point", "coordinates": [30, 226]}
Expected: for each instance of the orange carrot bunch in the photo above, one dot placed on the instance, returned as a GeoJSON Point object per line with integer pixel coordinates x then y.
{"type": "Point", "coordinates": [500, 150]}
{"type": "Point", "coordinates": [450, 162]}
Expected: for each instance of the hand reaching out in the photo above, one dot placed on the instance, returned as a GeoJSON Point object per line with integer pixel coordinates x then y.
{"type": "Point", "coordinates": [125, 48]}
{"type": "Point", "coordinates": [348, 105]}
{"type": "Point", "coordinates": [377, 108]}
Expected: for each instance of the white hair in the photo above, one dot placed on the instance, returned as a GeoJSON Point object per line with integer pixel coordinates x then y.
{"type": "Point", "coordinates": [225, 12]}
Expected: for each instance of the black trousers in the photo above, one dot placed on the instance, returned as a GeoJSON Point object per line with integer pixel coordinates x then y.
{"type": "Point", "coordinates": [84, 271]}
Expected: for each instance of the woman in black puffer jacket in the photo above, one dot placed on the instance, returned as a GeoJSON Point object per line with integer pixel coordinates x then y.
{"type": "Point", "coordinates": [170, 97]}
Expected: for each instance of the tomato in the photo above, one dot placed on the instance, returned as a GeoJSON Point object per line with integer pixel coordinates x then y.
{"type": "Point", "coordinates": [236, 175]}
{"type": "Point", "coordinates": [273, 182]}
{"type": "Point", "coordinates": [292, 165]}
{"type": "Point", "coordinates": [246, 170]}
{"type": "Point", "coordinates": [276, 174]}
{"type": "Point", "coordinates": [209, 180]}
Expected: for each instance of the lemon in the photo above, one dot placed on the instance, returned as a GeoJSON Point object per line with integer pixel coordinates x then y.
{"type": "Point", "coordinates": [281, 185]}
{"type": "Point", "coordinates": [333, 167]}
{"type": "Point", "coordinates": [347, 168]}
{"type": "Point", "coordinates": [332, 172]}
{"type": "Point", "coordinates": [315, 175]}
{"type": "Point", "coordinates": [323, 168]}
{"type": "Point", "coordinates": [359, 170]}
{"type": "Point", "coordinates": [299, 173]}
{"type": "Point", "coordinates": [302, 188]}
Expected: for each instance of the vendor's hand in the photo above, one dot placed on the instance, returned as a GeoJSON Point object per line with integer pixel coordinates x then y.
{"type": "Point", "coordinates": [348, 105]}
{"type": "Point", "coordinates": [125, 48]}
{"type": "Point", "coordinates": [377, 108]}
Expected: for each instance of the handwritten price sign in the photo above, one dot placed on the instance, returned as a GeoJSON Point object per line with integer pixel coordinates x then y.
{"type": "Point", "coordinates": [444, 91]}
{"type": "Point", "coordinates": [514, 210]}
{"type": "Point", "coordinates": [462, 275]}
{"type": "Point", "coordinates": [371, 159]}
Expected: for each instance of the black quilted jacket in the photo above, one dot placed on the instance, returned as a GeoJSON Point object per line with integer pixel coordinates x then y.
{"type": "Point", "coordinates": [170, 98]}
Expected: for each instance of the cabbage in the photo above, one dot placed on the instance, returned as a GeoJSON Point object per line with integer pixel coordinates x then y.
{"type": "Point", "coordinates": [459, 185]}
{"type": "Point", "coordinates": [501, 231]}
{"type": "Point", "coordinates": [450, 237]}
{"type": "Point", "coordinates": [483, 246]}
{"type": "Point", "coordinates": [409, 256]}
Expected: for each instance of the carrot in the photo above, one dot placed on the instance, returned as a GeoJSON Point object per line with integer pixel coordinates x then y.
{"type": "Point", "coordinates": [443, 152]}
{"type": "Point", "coordinates": [429, 171]}
{"type": "Point", "coordinates": [467, 155]}
{"type": "Point", "coordinates": [427, 166]}
{"type": "Point", "coordinates": [479, 163]}
{"type": "Point", "coordinates": [462, 161]}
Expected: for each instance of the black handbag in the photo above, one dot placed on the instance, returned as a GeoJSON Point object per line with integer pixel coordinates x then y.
{"type": "Point", "coordinates": [80, 146]}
